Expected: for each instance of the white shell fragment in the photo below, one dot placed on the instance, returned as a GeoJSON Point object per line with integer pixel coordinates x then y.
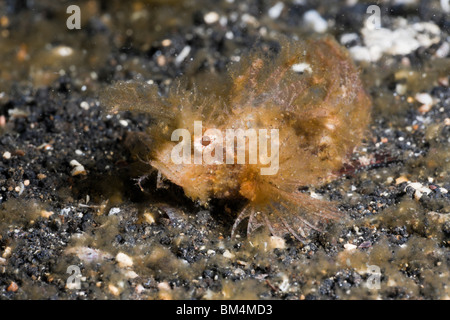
{"type": "Point", "coordinates": [77, 168]}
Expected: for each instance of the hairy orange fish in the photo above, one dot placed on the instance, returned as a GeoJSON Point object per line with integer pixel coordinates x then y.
{"type": "Point", "coordinates": [309, 96]}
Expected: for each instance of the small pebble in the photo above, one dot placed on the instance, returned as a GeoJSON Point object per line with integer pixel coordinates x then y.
{"type": "Point", "coordinates": [20, 188]}
{"type": "Point", "coordinates": [113, 290]}
{"type": "Point", "coordinates": [228, 254]}
{"type": "Point", "coordinates": [424, 98]}
{"type": "Point", "coordinates": [284, 286]}
{"type": "Point", "coordinates": [401, 88]}
{"type": "Point", "coordinates": [301, 67]}
{"type": "Point", "coordinates": [161, 60]}
{"type": "Point", "coordinates": [425, 108]}
{"type": "Point", "coordinates": [41, 176]}
{"type": "Point", "coordinates": [46, 214]}
{"type": "Point", "coordinates": [123, 260]}
{"type": "Point", "coordinates": [164, 286]}
{"type": "Point", "coordinates": [419, 189]}
{"type": "Point", "coordinates": [443, 81]}
{"type": "Point", "coordinates": [113, 211]}
{"type": "Point", "coordinates": [166, 42]}
{"type": "Point", "coordinates": [63, 51]}
{"type": "Point", "coordinates": [401, 179]}
{"type": "Point", "coordinates": [365, 244]}
{"type": "Point", "coordinates": [239, 272]}
{"type": "Point", "coordinates": [277, 242]}
{"type": "Point", "coordinates": [77, 168]}
{"type": "Point", "coordinates": [250, 20]}
{"type": "Point", "coordinates": [182, 55]}
{"type": "Point", "coordinates": [149, 218]}
{"type": "Point", "coordinates": [139, 289]}
{"type": "Point", "coordinates": [13, 287]}
{"type": "Point", "coordinates": [84, 105]}
{"type": "Point", "coordinates": [314, 21]}
{"type": "Point", "coordinates": [443, 50]}
{"type": "Point", "coordinates": [275, 11]}
{"type": "Point", "coordinates": [349, 246]}
{"type": "Point", "coordinates": [7, 155]}
{"type": "Point", "coordinates": [347, 38]}
{"type": "Point", "coordinates": [211, 17]}
{"type": "Point", "coordinates": [19, 153]}
{"type": "Point", "coordinates": [7, 252]}
{"type": "Point", "coordinates": [130, 274]}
